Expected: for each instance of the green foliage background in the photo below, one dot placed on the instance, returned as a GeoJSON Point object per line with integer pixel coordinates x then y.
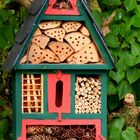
{"type": "Point", "coordinates": [123, 41]}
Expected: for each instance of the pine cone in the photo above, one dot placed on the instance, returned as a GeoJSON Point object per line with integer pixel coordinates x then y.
{"type": "Point", "coordinates": [50, 138]}
{"type": "Point", "coordinates": [37, 137]}
{"type": "Point", "coordinates": [32, 130]}
{"type": "Point", "coordinates": [54, 131]}
{"type": "Point", "coordinates": [79, 132]}
{"type": "Point", "coordinates": [68, 134]}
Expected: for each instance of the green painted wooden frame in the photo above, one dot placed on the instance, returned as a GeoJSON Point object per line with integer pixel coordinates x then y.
{"type": "Point", "coordinates": [18, 115]}
{"type": "Point", "coordinates": [83, 18]}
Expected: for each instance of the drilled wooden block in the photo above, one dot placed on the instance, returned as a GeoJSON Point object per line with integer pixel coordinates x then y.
{"type": "Point", "coordinates": [85, 55]}
{"type": "Point", "coordinates": [84, 31]}
{"type": "Point", "coordinates": [71, 26]}
{"type": "Point", "coordinates": [49, 25]}
{"type": "Point", "coordinates": [57, 33]}
{"type": "Point", "coordinates": [34, 55]}
{"type": "Point", "coordinates": [41, 40]}
{"type": "Point", "coordinates": [37, 32]}
{"type": "Point", "coordinates": [61, 49]}
{"type": "Point", "coordinates": [77, 40]}
{"type": "Point", "coordinates": [49, 56]}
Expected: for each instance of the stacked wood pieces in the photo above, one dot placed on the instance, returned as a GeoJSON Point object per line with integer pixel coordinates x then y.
{"type": "Point", "coordinates": [62, 42]}
{"type": "Point", "coordinates": [87, 95]}
{"type": "Point", "coordinates": [31, 93]}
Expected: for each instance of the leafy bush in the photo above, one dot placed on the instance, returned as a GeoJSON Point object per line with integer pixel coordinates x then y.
{"type": "Point", "coordinates": [123, 41]}
{"type": "Point", "coordinates": [11, 17]}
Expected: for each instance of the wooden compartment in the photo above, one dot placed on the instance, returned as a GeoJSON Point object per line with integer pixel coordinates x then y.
{"type": "Point", "coordinates": [59, 93]}
{"type": "Point", "coordinates": [68, 42]}
{"type": "Point", "coordinates": [88, 94]}
{"type": "Point", "coordinates": [32, 93]}
{"type": "Point", "coordinates": [65, 130]}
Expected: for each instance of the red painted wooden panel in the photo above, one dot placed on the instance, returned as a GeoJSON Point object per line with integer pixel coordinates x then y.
{"type": "Point", "coordinates": [66, 98]}
{"type": "Point", "coordinates": [51, 11]}
{"type": "Point", "coordinates": [96, 122]}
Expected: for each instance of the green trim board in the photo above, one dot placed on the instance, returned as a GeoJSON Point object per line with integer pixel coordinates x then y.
{"type": "Point", "coordinates": [62, 67]}
{"type": "Point", "coordinates": [18, 109]}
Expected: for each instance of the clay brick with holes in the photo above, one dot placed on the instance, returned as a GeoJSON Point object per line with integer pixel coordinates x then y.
{"type": "Point", "coordinates": [77, 40]}
{"type": "Point", "coordinates": [61, 49]}
{"type": "Point", "coordinates": [49, 25]}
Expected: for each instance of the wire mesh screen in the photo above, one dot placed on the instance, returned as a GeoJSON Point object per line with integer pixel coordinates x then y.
{"type": "Point", "coordinates": [67, 132]}
{"type": "Point", "coordinates": [32, 93]}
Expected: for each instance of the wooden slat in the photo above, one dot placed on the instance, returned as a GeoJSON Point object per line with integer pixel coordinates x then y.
{"type": "Point", "coordinates": [28, 93]}
{"type": "Point", "coordinates": [34, 93]}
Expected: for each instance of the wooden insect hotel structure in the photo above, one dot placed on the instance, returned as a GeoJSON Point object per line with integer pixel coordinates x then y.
{"type": "Point", "coordinates": [60, 63]}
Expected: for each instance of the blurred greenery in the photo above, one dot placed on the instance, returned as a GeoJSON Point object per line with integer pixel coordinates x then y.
{"type": "Point", "coordinates": [123, 41]}
{"type": "Point", "coordinates": [11, 18]}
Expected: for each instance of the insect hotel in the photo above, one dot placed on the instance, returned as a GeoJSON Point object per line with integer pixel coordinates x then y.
{"type": "Point", "coordinates": [60, 63]}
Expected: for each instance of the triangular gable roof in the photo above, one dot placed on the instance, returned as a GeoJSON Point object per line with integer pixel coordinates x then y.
{"type": "Point", "coordinates": [27, 27]}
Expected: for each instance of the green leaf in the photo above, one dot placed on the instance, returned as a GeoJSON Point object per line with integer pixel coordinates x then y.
{"type": "Point", "coordinates": [136, 21]}
{"type": "Point", "coordinates": [115, 128]}
{"type": "Point", "coordinates": [2, 102]}
{"type": "Point", "coordinates": [130, 36]}
{"type": "Point", "coordinates": [123, 89]}
{"type": "Point", "coordinates": [111, 2]}
{"type": "Point", "coordinates": [112, 89]}
{"type": "Point", "coordinates": [132, 60]}
{"type": "Point", "coordinates": [112, 40]}
{"type": "Point", "coordinates": [3, 41]}
{"type": "Point", "coordinates": [133, 74]}
{"type": "Point", "coordinates": [4, 15]}
{"type": "Point", "coordinates": [135, 48]}
{"type": "Point", "coordinates": [136, 88]}
{"type": "Point", "coordinates": [121, 64]}
{"type": "Point", "coordinates": [125, 26]}
{"type": "Point", "coordinates": [9, 33]}
{"type": "Point", "coordinates": [125, 44]}
{"type": "Point", "coordinates": [4, 114]}
{"type": "Point", "coordinates": [130, 4]}
{"type": "Point", "coordinates": [120, 14]}
{"type": "Point", "coordinates": [3, 126]}
{"type": "Point", "coordinates": [115, 29]}
{"type": "Point", "coordinates": [137, 10]}
{"type": "Point", "coordinates": [129, 134]}
{"type": "Point", "coordinates": [98, 17]}
{"type": "Point", "coordinates": [113, 102]}
{"type": "Point", "coordinates": [117, 76]}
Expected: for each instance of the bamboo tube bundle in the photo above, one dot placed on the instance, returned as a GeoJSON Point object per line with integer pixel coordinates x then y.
{"type": "Point", "coordinates": [87, 95]}
{"type": "Point", "coordinates": [31, 93]}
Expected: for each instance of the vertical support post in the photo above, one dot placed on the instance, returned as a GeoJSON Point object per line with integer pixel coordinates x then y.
{"type": "Point", "coordinates": [104, 103]}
